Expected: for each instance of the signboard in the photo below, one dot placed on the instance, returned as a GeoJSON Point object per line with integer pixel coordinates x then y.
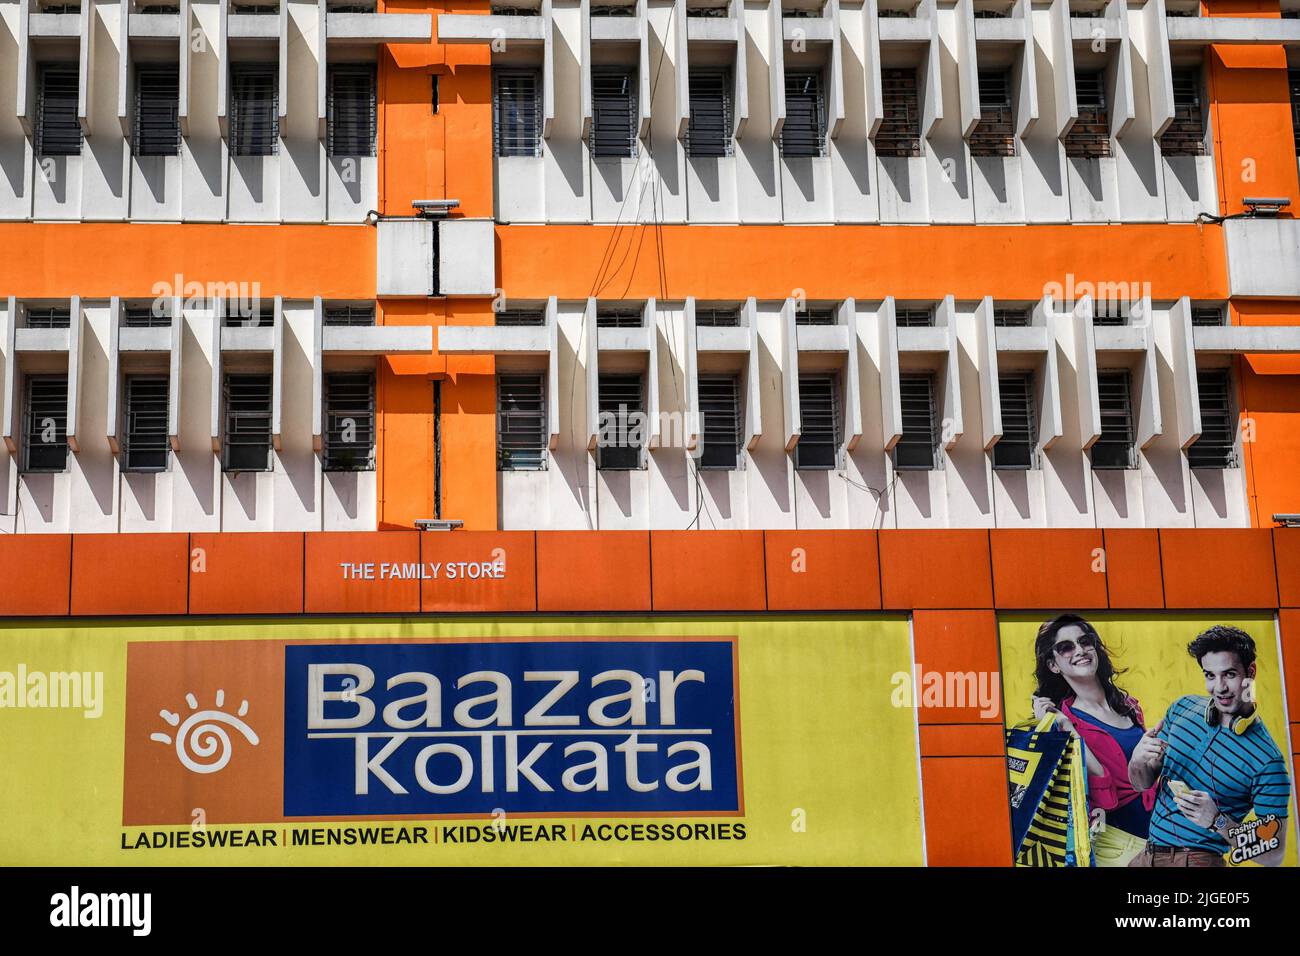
{"type": "Point", "coordinates": [418, 741]}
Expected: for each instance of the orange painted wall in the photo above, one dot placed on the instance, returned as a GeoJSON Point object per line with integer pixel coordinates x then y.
{"type": "Point", "coordinates": [1250, 113]}
{"type": "Point", "coordinates": [428, 155]}
{"type": "Point", "coordinates": [770, 262]}
{"type": "Point", "coordinates": [101, 259]}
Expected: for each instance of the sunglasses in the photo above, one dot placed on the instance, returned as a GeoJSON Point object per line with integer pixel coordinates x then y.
{"type": "Point", "coordinates": [1067, 646]}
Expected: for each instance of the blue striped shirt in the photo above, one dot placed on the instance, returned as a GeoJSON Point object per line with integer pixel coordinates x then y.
{"type": "Point", "coordinates": [1240, 772]}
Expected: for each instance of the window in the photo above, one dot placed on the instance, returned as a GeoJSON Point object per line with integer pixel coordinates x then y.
{"type": "Point", "coordinates": [915, 449]}
{"type": "Point", "coordinates": [522, 431]}
{"type": "Point", "coordinates": [1217, 446]}
{"type": "Point", "coordinates": [1114, 449]}
{"type": "Point", "coordinates": [618, 317]}
{"type": "Point", "coordinates": [1089, 137]}
{"type": "Point", "coordinates": [815, 316]}
{"type": "Point", "coordinates": [524, 317]}
{"type": "Point", "coordinates": [820, 431]}
{"type": "Point", "coordinates": [900, 127]}
{"type": "Point", "coordinates": [1207, 315]}
{"type": "Point", "coordinates": [248, 313]}
{"type": "Point", "coordinates": [433, 93]}
{"type": "Point", "coordinates": [157, 110]}
{"type": "Point", "coordinates": [144, 443]}
{"type": "Point", "coordinates": [995, 134]}
{"type": "Point", "coordinates": [58, 131]}
{"type": "Point", "coordinates": [517, 112]}
{"type": "Point", "coordinates": [347, 315]}
{"type": "Point", "coordinates": [1108, 311]}
{"type": "Point", "coordinates": [1185, 136]}
{"type": "Point", "coordinates": [1016, 447]}
{"type": "Point", "coordinates": [720, 420]}
{"type": "Point", "coordinates": [247, 444]}
{"type": "Point", "coordinates": [254, 110]}
{"type": "Point", "coordinates": [351, 110]}
{"type": "Point", "coordinates": [717, 318]}
{"type": "Point", "coordinates": [45, 423]}
{"type": "Point", "coordinates": [349, 437]}
{"type": "Point", "coordinates": [1007, 317]}
{"type": "Point", "coordinates": [1293, 78]}
{"type": "Point", "coordinates": [48, 317]}
{"type": "Point", "coordinates": [804, 132]}
{"type": "Point", "coordinates": [922, 318]}
{"type": "Point", "coordinates": [614, 117]}
{"type": "Point", "coordinates": [709, 130]}
{"type": "Point", "coordinates": [147, 316]}
{"type": "Point", "coordinates": [621, 422]}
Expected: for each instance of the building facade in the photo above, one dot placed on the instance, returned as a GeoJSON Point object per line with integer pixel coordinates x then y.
{"type": "Point", "coordinates": [960, 308]}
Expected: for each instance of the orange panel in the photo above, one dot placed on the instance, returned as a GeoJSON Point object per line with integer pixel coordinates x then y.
{"type": "Point", "coordinates": [593, 571]}
{"type": "Point", "coordinates": [100, 259]}
{"type": "Point", "coordinates": [967, 818]}
{"type": "Point", "coordinates": [962, 740]}
{"type": "Point", "coordinates": [1042, 568]}
{"type": "Point", "coordinates": [959, 650]}
{"type": "Point", "coordinates": [1270, 404]}
{"type": "Point", "coordinates": [35, 569]}
{"type": "Point", "coordinates": [478, 571]}
{"type": "Point", "coordinates": [1286, 558]}
{"type": "Point", "coordinates": [1133, 573]}
{"type": "Point", "coordinates": [935, 569]}
{"type": "Point", "coordinates": [707, 570]}
{"type": "Point", "coordinates": [1220, 568]}
{"type": "Point", "coordinates": [225, 585]}
{"type": "Point", "coordinates": [356, 572]}
{"type": "Point", "coordinates": [1289, 626]}
{"type": "Point", "coordinates": [831, 262]}
{"type": "Point", "coordinates": [129, 573]}
{"type": "Point", "coordinates": [822, 571]}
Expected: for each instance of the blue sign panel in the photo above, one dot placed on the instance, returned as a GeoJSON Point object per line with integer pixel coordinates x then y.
{"type": "Point", "coordinates": [598, 727]}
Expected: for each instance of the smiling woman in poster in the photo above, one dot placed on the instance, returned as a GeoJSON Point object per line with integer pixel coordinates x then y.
{"type": "Point", "coordinates": [1076, 681]}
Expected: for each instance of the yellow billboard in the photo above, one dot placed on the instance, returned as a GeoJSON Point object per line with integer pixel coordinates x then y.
{"type": "Point", "coordinates": [423, 741]}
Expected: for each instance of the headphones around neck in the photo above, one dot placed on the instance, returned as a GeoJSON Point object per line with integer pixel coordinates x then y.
{"type": "Point", "coordinates": [1239, 724]}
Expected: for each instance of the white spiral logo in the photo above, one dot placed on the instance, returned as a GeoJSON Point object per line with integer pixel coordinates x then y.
{"type": "Point", "coordinates": [203, 744]}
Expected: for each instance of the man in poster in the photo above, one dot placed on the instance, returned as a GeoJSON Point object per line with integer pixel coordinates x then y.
{"type": "Point", "coordinates": [1214, 762]}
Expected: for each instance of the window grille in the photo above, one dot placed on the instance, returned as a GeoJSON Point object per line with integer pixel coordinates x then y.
{"type": "Point", "coordinates": [1217, 446]}
{"type": "Point", "coordinates": [45, 425]}
{"type": "Point", "coordinates": [922, 318]}
{"type": "Point", "coordinates": [621, 406]}
{"type": "Point", "coordinates": [709, 130]}
{"type": "Point", "coordinates": [721, 421]}
{"type": "Point", "coordinates": [525, 317]}
{"type": "Point", "coordinates": [247, 442]}
{"type": "Point", "coordinates": [915, 449]}
{"type": "Point", "coordinates": [157, 110]}
{"type": "Point", "coordinates": [144, 439]}
{"type": "Point", "coordinates": [254, 110]}
{"type": "Point", "coordinates": [58, 131]}
{"type": "Point", "coordinates": [1089, 137]}
{"type": "Point", "coordinates": [815, 316]}
{"type": "Point", "coordinates": [804, 132]}
{"type": "Point", "coordinates": [517, 112]}
{"type": "Point", "coordinates": [48, 317]}
{"type": "Point", "coordinates": [352, 110]}
{"type": "Point", "coordinates": [900, 127]}
{"type": "Point", "coordinates": [354, 315]}
{"type": "Point", "coordinates": [522, 431]}
{"type": "Point", "coordinates": [1009, 317]}
{"type": "Point", "coordinates": [1185, 136]}
{"type": "Point", "coordinates": [614, 317]}
{"type": "Point", "coordinates": [717, 318]}
{"type": "Point", "coordinates": [1114, 449]}
{"type": "Point", "coordinates": [1016, 448]}
{"type": "Point", "coordinates": [820, 428]}
{"type": "Point", "coordinates": [614, 119]}
{"type": "Point", "coordinates": [995, 134]}
{"type": "Point", "coordinates": [349, 439]}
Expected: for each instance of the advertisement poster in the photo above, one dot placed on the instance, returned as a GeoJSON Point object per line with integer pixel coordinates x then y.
{"type": "Point", "coordinates": [343, 741]}
{"type": "Point", "coordinates": [1206, 690]}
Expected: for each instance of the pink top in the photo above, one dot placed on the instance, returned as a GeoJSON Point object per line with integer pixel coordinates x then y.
{"type": "Point", "coordinates": [1113, 788]}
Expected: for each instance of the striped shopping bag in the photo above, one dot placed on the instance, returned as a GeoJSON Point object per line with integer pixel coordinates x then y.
{"type": "Point", "coordinates": [1048, 789]}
